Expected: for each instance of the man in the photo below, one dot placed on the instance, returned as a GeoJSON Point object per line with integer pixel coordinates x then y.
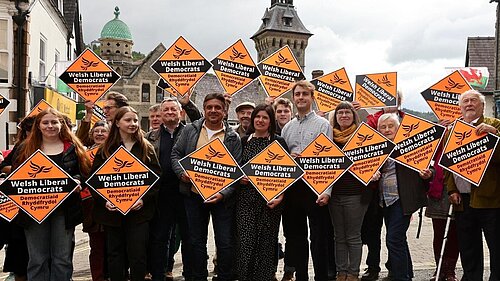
{"type": "Point", "coordinates": [171, 209]}
{"type": "Point", "coordinates": [220, 205]}
{"type": "Point", "coordinates": [155, 117]}
{"type": "Point", "coordinates": [243, 112]}
{"type": "Point", "coordinates": [301, 202]}
{"type": "Point", "coordinates": [113, 101]}
{"type": "Point", "coordinates": [283, 111]}
{"type": "Point", "coordinates": [481, 204]}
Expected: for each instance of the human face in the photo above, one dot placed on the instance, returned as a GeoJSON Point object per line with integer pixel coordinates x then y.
{"type": "Point", "coordinates": [388, 128]}
{"type": "Point", "coordinates": [155, 119]}
{"type": "Point", "coordinates": [303, 99]}
{"type": "Point", "coordinates": [261, 122]}
{"type": "Point", "coordinates": [50, 126]}
{"type": "Point", "coordinates": [345, 118]}
{"type": "Point", "coordinates": [100, 134]}
{"type": "Point", "coordinates": [471, 107]}
{"type": "Point", "coordinates": [244, 116]}
{"type": "Point", "coordinates": [128, 124]}
{"type": "Point", "coordinates": [109, 109]}
{"type": "Point", "coordinates": [283, 114]}
{"type": "Point", "coordinates": [214, 112]}
{"type": "Point", "coordinates": [171, 113]}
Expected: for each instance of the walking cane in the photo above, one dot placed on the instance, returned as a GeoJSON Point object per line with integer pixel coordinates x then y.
{"type": "Point", "coordinates": [445, 239]}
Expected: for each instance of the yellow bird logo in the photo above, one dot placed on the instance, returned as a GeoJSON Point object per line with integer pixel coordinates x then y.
{"type": "Point", "coordinates": [282, 59]}
{"type": "Point", "coordinates": [179, 52]}
{"type": "Point", "coordinates": [122, 164]}
{"type": "Point", "coordinates": [452, 85]}
{"type": "Point", "coordinates": [320, 148]}
{"type": "Point", "coordinates": [273, 156]}
{"type": "Point", "coordinates": [237, 55]}
{"type": "Point", "coordinates": [410, 128]}
{"type": "Point", "coordinates": [37, 169]}
{"type": "Point", "coordinates": [462, 136]}
{"type": "Point", "coordinates": [336, 79]}
{"type": "Point", "coordinates": [87, 64]}
{"type": "Point", "coordinates": [213, 153]}
{"type": "Point", "coordinates": [385, 80]}
{"type": "Point", "coordinates": [362, 138]}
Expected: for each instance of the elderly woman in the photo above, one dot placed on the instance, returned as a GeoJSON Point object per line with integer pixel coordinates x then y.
{"type": "Point", "coordinates": [402, 192]}
{"type": "Point", "coordinates": [349, 202]}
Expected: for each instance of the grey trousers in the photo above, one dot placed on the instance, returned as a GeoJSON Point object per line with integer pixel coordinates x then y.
{"type": "Point", "coordinates": [347, 213]}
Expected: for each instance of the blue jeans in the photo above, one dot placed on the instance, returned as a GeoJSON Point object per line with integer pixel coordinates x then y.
{"type": "Point", "coordinates": [397, 224]}
{"type": "Point", "coordinates": [50, 242]}
{"type": "Point", "coordinates": [198, 216]}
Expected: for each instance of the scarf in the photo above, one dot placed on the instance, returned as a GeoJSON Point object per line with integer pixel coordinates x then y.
{"type": "Point", "coordinates": [343, 136]}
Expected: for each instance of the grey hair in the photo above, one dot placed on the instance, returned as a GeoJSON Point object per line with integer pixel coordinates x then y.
{"type": "Point", "coordinates": [474, 92]}
{"type": "Point", "coordinates": [171, 99]}
{"type": "Point", "coordinates": [387, 116]}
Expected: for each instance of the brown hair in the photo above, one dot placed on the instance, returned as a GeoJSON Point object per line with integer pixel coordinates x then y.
{"type": "Point", "coordinates": [344, 105]}
{"type": "Point", "coordinates": [35, 141]}
{"type": "Point", "coordinates": [114, 139]}
{"type": "Point", "coordinates": [283, 101]}
{"type": "Point", "coordinates": [120, 100]}
{"type": "Point", "coordinates": [305, 84]}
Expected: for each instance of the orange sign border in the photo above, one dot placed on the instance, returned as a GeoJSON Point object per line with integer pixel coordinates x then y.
{"type": "Point", "coordinates": [53, 163]}
{"type": "Point", "coordinates": [230, 155]}
{"type": "Point", "coordinates": [137, 159]}
{"type": "Point", "coordinates": [487, 164]}
{"type": "Point", "coordinates": [318, 79]}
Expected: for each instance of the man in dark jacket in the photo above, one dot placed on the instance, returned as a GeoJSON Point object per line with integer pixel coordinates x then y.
{"type": "Point", "coordinates": [402, 192]}
{"type": "Point", "coordinates": [219, 206]}
{"type": "Point", "coordinates": [171, 205]}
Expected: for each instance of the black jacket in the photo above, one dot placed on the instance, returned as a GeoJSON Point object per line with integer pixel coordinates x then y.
{"type": "Point", "coordinates": [412, 189]}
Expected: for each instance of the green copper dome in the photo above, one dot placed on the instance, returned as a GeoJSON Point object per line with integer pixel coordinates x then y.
{"type": "Point", "coordinates": [116, 28]}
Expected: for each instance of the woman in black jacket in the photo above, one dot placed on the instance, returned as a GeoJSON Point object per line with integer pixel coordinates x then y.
{"type": "Point", "coordinates": [126, 235]}
{"type": "Point", "coordinates": [50, 244]}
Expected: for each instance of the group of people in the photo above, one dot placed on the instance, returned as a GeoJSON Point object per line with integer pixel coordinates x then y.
{"type": "Point", "coordinates": [334, 224]}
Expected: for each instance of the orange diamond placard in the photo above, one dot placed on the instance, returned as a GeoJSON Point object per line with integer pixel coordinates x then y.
{"type": "Point", "coordinates": [235, 68]}
{"type": "Point", "coordinates": [369, 150]}
{"type": "Point", "coordinates": [181, 66]}
{"type": "Point", "coordinates": [331, 89]}
{"type": "Point", "coordinates": [416, 142]}
{"type": "Point", "coordinates": [211, 168]}
{"type": "Point", "coordinates": [279, 71]}
{"type": "Point", "coordinates": [4, 102]}
{"type": "Point", "coordinates": [467, 154]}
{"type": "Point", "coordinates": [324, 163]}
{"type": "Point", "coordinates": [122, 180]}
{"type": "Point", "coordinates": [38, 186]}
{"type": "Point", "coordinates": [8, 209]}
{"type": "Point", "coordinates": [443, 96]}
{"type": "Point", "coordinates": [376, 90]}
{"type": "Point", "coordinates": [89, 76]}
{"type": "Point", "coordinates": [272, 171]}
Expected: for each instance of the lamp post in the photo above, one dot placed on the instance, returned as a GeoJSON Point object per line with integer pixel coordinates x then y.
{"type": "Point", "coordinates": [22, 7]}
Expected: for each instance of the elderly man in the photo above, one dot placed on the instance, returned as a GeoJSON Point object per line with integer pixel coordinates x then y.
{"type": "Point", "coordinates": [155, 116]}
{"type": "Point", "coordinates": [243, 112]}
{"type": "Point", "coordinates": [481, 203]}
{"type": "Point", "coordinates": [303, 204]}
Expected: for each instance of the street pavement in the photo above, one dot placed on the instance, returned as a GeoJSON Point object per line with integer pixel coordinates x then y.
{"type": "Point", "coordinates": [421, 252]}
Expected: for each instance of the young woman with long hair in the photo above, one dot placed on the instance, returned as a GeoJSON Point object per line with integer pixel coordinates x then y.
{"type": "Point", "coordinates": [50, 244]}
{"type": "Point", "coordinates": [126, 235]}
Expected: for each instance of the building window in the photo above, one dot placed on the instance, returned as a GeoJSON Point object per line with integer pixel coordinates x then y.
{"type": "Point", "coordinates": [159, 94]}
{"type": "Point", "coordinates": [5, 55]}
{"type": "Point", "coordinates": [287, 21]}
{"type": "Point", "coordinates": [145, 92]}
{"type": "Point", "coordinates": [43, 58]}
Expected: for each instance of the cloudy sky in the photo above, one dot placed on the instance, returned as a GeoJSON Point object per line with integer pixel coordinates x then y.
{"type": "Point", "coordinates": [418, 39]}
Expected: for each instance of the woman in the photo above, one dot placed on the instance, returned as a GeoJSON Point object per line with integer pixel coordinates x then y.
{"type": "Point", "coordinates": [126, 236]}
{"type": "Point", "coordinates": [97, 238]}
{"type": "Point", "coordinates": [52, 259]}
{"type": "Point", "coordinates": [349, 202]}
{"type": "Point", "coordinates": [257, 221]}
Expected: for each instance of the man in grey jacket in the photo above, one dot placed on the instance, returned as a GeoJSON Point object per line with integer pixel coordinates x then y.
{"type": "Point", "coordinates": [219, 206]}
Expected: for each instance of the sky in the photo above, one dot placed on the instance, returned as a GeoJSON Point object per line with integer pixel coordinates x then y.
{"type": "Point", "coordinates": [417, 39]}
